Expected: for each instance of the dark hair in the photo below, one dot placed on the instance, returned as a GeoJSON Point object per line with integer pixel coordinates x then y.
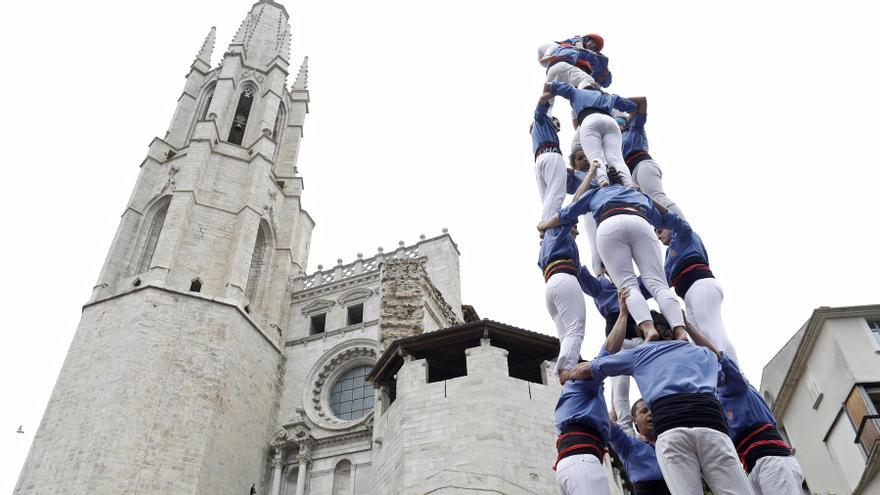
{"type": "Point", "coordinates": [614, 176]}
{"type": "Point", "coordinates": [661, 324]}
{"type": "Point", "coordinates": [635, 407]}
{"type": "Point", "coordinates": [572, 156]}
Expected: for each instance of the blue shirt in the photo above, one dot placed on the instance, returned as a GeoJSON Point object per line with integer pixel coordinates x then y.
{"type": "Point", "coordinates": [639, 458]}
{"type": "Point", "coordinates": [583, 401]}
{"type": "Point", "coordinates": [685, 246]}
{"type": "Point", "coordinates": [634, 137]}
{"type": "Point", "coordinates": [577, 56]}
{"type": "Point", "coordinates": [663, 368]}
{"type": "Point", "coordinates": [574, 178]}
{"type": "Point", "coordinates": [589, 98]}
{"type": "Point", "coordinates": [742, 404]}
{"type": "Point", "coordinates": [595, 199]}
{"type": "Point", "coordinates": [543, 129]}
{"type": "Point", "coordinates": [603, 291]}
{"type": "Point", "coordinates": [558, 243]}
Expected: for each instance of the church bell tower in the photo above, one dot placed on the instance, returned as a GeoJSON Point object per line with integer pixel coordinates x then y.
{"type": "Point", "coordinates": [172, 381]}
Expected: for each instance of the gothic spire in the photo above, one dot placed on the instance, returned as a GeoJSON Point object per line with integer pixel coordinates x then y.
{"type": "Point", "coordinates": [263, 35]}
{"type": "Point", "coordinates": [208, 47]}
{"type": "Point", "coordinates": [302, 77]}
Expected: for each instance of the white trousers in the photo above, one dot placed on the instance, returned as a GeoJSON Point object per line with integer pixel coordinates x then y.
{"type": "Point", "coordinates": [686, 455]}
{"type": "Point", "coordinates": [703, 305]}
{"type": "Point", "coordinates": [565, 303]}
{"type": "Point", "coordinates": [774, 475]}
{"type": "Point", "coordinates": [648, 176]}
{"type": "Point", "coordinates": [623, 239]}
{"type": "Point", "coordinates": [601, 140]}
{"type": "Point", "coordinates": [551, 176]}
{"type": "Point", "coordinates": [565, 72]}
{"type": "Point", "coordinates": [620, 394]}
{"type": "Point", "coordinates": [581, 474]}
{"type": "Point", "coordinates": [588, 224]}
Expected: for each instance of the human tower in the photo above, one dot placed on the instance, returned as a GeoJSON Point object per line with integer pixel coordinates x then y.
{"type": "Point", "coordinates": [698, 418]}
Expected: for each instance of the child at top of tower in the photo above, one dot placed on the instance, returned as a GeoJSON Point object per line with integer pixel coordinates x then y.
{"type": "Point", "coordinates": [582, 53]}
{"type": "Point", "coordinates": [549, 165]}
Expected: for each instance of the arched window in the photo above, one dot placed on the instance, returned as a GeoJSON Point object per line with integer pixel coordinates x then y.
{"type": "Point", "coordinates": [259, 258]}
{"type": "Point", "coordinates": [203, 115]}
{"type": "Point", "coordinates": [279, 123]}
{"type": "Point", "coordinates": [352, 395]}
{"type": "Point", "coordinates": [242, 112]}
{"type": "Point", "coordinates": [152, 238]}
{"type": "Point", "coordinates": [342, 477]}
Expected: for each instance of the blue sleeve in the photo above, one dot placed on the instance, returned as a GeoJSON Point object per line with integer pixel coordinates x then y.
{"type": "Point", "coordinates": [733, 377]}
{"type": "Point", "coordinates": [562, 89]}
{"type": "Point", "coordinates": [621, 442]}
{"type": "Point", "coordinates": [638, 121]}
{"type": "Point", "coordinates": [644, 290]}
{"type": "Point", "coordinates": [605, 80]}
{"type": "Point", "coordinates": [570, 213]}
{"type": "Point", "coordinates": [676, 224]}
{"type": "Point", "coordinates": [603, 352]}
{"type": "Point", "coordinates": [621, 363]}
{"type": "Point", "coordinates": [541, 111]}
{"type": "Point", "coordinates": [623, 104]}
{"type": "Point", "coordinates": [573, 180]}
{"type": "Point", "coordinates": [589, 284]}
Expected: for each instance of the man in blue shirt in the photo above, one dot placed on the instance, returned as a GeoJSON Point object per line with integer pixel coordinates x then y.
{"type": "Point", "coordinates": [687, 271]}
{"type": "Point", "coordinates": [678, 381]}
{"type": "Point", "coordinates": [598, 132]}
{"type": "Point", "coordinates": [550, 170]}
{"type": "Point", "coordinates": [645, 171]}
{"type": "Point", "coordinates": [583, 428]}
{"type": "Point", "coordinates": [639, 457]}
{"type": "Point", "coordinates": [765, 455]}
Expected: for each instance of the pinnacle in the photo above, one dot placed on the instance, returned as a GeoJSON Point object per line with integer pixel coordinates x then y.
{"type": "Point", "coordinates": [208, 46]}
{"type": "Point", "coordinates": [302, 77]}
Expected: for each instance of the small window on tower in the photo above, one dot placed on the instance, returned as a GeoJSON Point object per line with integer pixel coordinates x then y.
{"type": "Point", "coordinates": [195, 286]}
{"type": "Point", "coordinates": [318, 324]}
{"type": "Point", "coordinates": [356, 314]}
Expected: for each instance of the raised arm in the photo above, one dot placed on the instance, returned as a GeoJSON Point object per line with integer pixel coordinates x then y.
{"type": "Point", "coordinates": [623, 104]}
{"type": "Point", "coordinates": [734, 380]}
{"type": "Point", "coordinates": [699, 339]}
{"type": "Point", "coordinates": [589, 284]}
{"type": "Point", "coordinates": [676, 224]}
{"type": "Point", "coordinates": [614, 341]}
{"type": "Point", "coordinates": [562, 89]}
{"type": "Point", "coordinates": [586, 182]}
{"type": "Point", "coordinates": [641, 104]}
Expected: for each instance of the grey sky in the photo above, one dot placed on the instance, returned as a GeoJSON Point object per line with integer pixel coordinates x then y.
{"type": "Point", "coordinates": [761, 115]}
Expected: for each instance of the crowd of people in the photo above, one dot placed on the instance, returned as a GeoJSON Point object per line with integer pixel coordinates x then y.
{"type": "Point", "coordinates": [699, 419]}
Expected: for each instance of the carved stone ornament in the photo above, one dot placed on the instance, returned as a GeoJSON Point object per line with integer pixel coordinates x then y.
{"type": "Point", "coordinates": [324, 376]}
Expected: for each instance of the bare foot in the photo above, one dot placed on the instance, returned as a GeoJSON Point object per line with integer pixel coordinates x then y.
{"type": "Point", "coordinates": [679, 333]}
{"type": "Point", "coordinates": [651, 334]}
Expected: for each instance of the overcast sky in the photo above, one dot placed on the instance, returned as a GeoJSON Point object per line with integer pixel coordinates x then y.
{"type": "Point", "coordinates": [762, 116]}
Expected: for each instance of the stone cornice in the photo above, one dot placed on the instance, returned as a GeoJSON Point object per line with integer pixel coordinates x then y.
{"type": "Point", "coordinates": [338, 331]}
{"type": "Point", "coordinates": [334, 286]}
{"type": "Point", "coordinates": [193, 295]}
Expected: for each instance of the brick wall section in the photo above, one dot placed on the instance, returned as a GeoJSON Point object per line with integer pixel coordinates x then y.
{"type": "Point", "coordinates": [160, 393]}
{"type": "Point", "coordinates": [483, 431]}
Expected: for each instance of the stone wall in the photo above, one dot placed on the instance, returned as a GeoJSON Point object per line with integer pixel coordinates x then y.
{"type": "Point", "coordinates": [161, 392]}
{"type": "Point", "coordinates": [485, 431]}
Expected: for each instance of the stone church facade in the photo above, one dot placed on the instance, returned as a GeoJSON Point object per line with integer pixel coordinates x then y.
{"type": "Point", "coordinates": [208, 362]}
